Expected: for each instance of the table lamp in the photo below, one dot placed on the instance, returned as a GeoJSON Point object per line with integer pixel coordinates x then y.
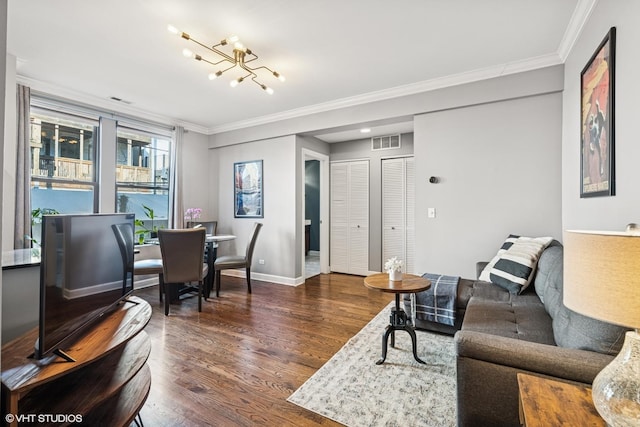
{"type": "Point", "coordinates": [602, 280]}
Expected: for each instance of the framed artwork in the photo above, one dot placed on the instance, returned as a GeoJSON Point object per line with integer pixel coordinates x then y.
{"type": "Point", "coordinates": [597, 111]}
{"type": "Point", "coordinates": [247, 178]}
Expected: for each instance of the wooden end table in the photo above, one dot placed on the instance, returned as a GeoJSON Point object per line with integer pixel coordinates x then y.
{"type": "Point", "coordinates": [410, 283]}
{"type": "Point", "coordinates": [547, 403]}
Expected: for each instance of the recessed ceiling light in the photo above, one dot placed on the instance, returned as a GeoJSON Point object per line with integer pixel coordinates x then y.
{"type": "Point", "coordinates": [365, 130]}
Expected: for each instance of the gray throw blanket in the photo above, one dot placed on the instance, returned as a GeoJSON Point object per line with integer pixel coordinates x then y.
{"type": "Point", "coordinates": [438, 303]}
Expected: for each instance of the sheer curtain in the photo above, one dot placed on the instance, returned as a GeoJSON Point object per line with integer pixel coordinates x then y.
{"type": "Point", "coordinates": [176, 168]}
{"type": "Point", "coordinates": [22, 224]}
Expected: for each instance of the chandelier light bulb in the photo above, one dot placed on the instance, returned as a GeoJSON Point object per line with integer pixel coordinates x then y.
{"type": "Point", "coordinates": [269, 91]}
{"type": "Point", "coordinates": [173, 30]}
{"type": "Point", "coordinates": [239, 46]}
{"type": "Point", "coordinates": [212, 76]}
{"type": "Point", "coordinates": [279, 76]}
{"type": "Point", "coordinates": [187, 53]}
{"type": "Point", "coordinates": [232, 39]}
{"type": "Point", "coordinates": [235, 82]}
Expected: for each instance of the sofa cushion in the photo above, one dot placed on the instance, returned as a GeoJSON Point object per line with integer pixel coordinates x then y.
{"type": "Point", "coordinates": [514, 265]}
{"type": "Point", "coordinates": [570, 329]}
{"type": "Point", "coordinates": [523, 318]}
{"type": "Point", "coordinates": [480, 289]}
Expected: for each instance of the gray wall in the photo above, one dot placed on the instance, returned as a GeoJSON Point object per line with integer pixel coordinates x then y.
{"type": "Point", "coordinates": [499, 168]}
{"type": "Point", "coordinates": [361, 149]}
{"type": "Point", "coordinates": [403, 108]}
{"type": "Point", "coordinates": [198, 170]}
{"type": "Point", "coordinates": [277, 242]}
{"type": "Point", "coordinates": [605, 213]}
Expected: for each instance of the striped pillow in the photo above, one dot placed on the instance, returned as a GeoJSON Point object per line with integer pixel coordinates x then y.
{"type": "Point", "coordinates": [514, 265]}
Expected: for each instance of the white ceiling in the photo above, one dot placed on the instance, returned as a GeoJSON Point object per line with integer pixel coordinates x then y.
{"type": "Point", "coordinates": [332, 52]}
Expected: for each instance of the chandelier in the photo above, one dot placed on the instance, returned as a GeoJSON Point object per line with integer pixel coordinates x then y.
{"type": "Point", "coordinates": [239, 58]}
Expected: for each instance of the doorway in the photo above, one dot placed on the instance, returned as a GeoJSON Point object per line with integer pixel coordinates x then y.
{"type": "Point", "coordinates": [315, 250]}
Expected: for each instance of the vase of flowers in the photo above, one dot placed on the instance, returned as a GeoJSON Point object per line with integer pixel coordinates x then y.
{"type": "Point", "coordinates": [192, 214]}
{"type": "Point", "coordinates": [393, 267]}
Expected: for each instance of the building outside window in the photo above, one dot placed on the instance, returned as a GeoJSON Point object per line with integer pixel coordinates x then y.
{"type": "Point", "coordinates": [63, 173]}
{"type": "Point", "coordinates": [142, 177]}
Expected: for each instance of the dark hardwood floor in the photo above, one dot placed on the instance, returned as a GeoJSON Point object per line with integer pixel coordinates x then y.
{"type": "Point", "coordinates": [237, 361]}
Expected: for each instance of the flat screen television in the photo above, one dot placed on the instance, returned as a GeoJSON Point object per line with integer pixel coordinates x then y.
{"type": "Point", "coordinates": [81, 276]}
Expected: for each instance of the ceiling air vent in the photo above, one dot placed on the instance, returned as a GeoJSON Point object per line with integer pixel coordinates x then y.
{"type": "Point", "coordinates": [385, 142]}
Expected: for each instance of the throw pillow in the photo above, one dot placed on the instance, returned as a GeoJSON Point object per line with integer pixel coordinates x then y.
{"type": "Point", "coordinates": [514, 265]}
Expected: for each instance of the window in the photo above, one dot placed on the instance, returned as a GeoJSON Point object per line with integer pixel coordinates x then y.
{"type": "Point", "coordinates": [142, 176]}
{"type": "Point", "coordinates": [63, 176]}
{"type": "Point", "coordinates": [69, 176]}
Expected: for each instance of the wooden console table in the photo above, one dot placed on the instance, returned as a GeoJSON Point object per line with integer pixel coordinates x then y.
{"type": "Point", "coordinates": [107, 385]}
{"type": "Point", "coordinates": [548, 403]}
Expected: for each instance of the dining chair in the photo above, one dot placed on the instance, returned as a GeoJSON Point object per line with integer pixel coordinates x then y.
{"type": "Point", "coordinates": [124, 236]}
{"type": "Point", "coordinates": [183, 261]}
{"type": "Point", "coordinates": [237, 261]}
{"type": "Point", "coordinates": [210, 226]}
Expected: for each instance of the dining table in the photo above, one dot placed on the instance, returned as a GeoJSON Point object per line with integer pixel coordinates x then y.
{"type": "Point", "coordinates": [211, 242]}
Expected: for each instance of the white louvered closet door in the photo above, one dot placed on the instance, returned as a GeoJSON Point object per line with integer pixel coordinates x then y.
{"type": "Point", "coordinates": [359, 218]}
{"type": "Point", "coordinates": [410, 210]}
{"type": "Point", "coordinates": [339, 234]}
{"type": "Point", "coordinates": [393, 234]}
{"type": "Point", "coordinates": [350, 217]}
{"type": "Point", "coordinates": [398, 211]}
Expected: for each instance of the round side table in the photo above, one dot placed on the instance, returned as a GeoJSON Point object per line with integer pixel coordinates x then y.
{"type": "Point", "coordinates": [410, 283]}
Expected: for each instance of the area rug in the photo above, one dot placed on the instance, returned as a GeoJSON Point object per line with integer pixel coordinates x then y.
{"type": "Point", "coordinates": [352, 390]}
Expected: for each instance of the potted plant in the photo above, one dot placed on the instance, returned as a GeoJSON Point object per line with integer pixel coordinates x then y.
{"type": "Point", "coordinates": [141, 227]}
{"type": "Point", "coordinates": [36, 221]}
{"type": "Point", "coordinates": [393, 266]}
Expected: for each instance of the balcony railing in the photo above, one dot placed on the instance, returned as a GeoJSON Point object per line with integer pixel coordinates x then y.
{"type": "Point", "coordinates": [82, 170]}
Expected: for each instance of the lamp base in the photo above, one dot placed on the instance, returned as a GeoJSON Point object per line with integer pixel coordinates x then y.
{"type": "Point", "coordinates": [616, 389]}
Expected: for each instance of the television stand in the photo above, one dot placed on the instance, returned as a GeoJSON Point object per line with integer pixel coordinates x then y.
{"type": "Point", "coordinates": [58, 352]}
{"type": "Point", "coordinates": [61, 354]}
{"type": "Point", "coordinates": [107, 385]}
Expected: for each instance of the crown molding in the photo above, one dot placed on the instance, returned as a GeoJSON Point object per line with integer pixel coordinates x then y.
{"type": "Point", "coordinates": [580, 16]}
{"type": "Point", "coordinates": [108, 105]}
{"type": "Point", "coordinates": [399, 91]}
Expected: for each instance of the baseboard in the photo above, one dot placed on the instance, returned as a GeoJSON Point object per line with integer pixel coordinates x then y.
{"type": "Point", "coordinates": [145, 283]}
{"type": "Point", "coordinates": [297, 281]}
{"type": "Point", "coordinates": [281, 280]}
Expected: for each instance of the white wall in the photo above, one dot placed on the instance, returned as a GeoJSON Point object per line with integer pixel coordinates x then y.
{"type": "Point", "coordinates": [605, 213]}
{"type": "Point", "coordinates": [499, 169]}
{"type": "Point", "coordinates": [277, 241]}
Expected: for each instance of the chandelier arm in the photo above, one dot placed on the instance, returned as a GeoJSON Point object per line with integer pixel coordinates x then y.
{"type": "Point", "coordinates": [253, 55]}
{"type": "Point", "coordinates": [221, 53]}
{"type": "Point", "coordinates": [219, 62]}
{"type": "Point", "coordinates": [251, 73]}
{"type": "Point", "coordinates": [213, 49]}
{"type": "Point", "coordinates": [228, 68]}
{"type": "Point", "coordinates": [255, 80]}
{"type": "Point", "coordinates": [261, 67]}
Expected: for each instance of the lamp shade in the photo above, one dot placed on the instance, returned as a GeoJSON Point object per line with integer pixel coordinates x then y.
{"type": "Point", "coordinates": [602, 276]}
